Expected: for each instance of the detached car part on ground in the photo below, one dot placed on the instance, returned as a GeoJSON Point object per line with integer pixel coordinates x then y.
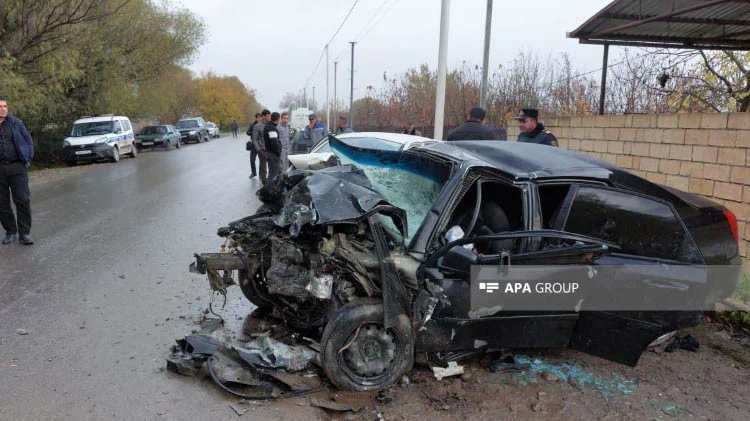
{"type": "Point", "coordinates": [330, 251]}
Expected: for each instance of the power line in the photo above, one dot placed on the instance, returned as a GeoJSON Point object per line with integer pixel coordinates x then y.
{"type": "Point", "coordinates": [374, 20]}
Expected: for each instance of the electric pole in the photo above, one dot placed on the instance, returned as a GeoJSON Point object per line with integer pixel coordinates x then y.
{"type": "Point", "coordinates": [486, 61]}
{"type": "Point", "coordinates": [328, 103]}
{"type": "Point", "coordinates": [442, 64]}
{"type": "Point", "coordinates": [351, 90]}
{"type": "Point", "coordinates": [335, 82]}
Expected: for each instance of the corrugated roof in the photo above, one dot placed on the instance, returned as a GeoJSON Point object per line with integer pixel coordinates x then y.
{"type": "Point", "coordinates": [694, 24]}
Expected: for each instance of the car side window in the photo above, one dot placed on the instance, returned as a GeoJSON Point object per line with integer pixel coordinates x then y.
{"type": "Point", "coordinates": [126, 125]}
{"type": "Point", "coordinates": [117, 127]}
{"type": "Point", "coordinates": [639, 225]}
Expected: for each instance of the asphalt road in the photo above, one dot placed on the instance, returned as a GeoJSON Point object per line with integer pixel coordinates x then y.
{"type": "Point", "coordinates": [102, 292]}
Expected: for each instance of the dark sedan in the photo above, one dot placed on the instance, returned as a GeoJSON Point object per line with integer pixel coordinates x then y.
{"type": "Point", "coordinates": [476, 246]}
{"type": "Point", "coordinates": [162, 136]}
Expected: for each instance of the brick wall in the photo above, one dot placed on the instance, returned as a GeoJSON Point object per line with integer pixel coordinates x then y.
{"type": "Point", "coordinates": [707, 154]}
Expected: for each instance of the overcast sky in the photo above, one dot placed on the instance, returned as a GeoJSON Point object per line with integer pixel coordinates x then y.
{"type": "Point", "coordinates": [273, 47]}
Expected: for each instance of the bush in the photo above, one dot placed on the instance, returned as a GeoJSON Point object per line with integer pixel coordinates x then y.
{"type": "Point", "coordinates": [48, 150]}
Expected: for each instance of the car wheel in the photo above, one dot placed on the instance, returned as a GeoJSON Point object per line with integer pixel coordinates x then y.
{"type": "Point", "coordinates": [255, 291]}
{"type": "Point", "coordinates": [358, 353]}
{"type": "Point", "coordinates": [167, 145]}
{"type": "Point", "coordinates": [178, 144]}
{"type": "Point", "coordinates": [133, 150]}
{"type": "Point", "coordinates": [115, 155]}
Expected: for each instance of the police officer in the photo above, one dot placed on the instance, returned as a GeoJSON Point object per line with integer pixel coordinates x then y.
{"type": "Point", "coordinates": [532, 131]}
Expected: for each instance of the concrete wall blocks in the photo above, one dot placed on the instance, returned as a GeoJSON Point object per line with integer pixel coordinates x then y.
{"type": "Point", "coordinates": [714, 120]}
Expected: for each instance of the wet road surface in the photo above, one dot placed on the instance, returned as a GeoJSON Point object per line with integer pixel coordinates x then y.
{"type": "Point", "coordinates": [102, 292]}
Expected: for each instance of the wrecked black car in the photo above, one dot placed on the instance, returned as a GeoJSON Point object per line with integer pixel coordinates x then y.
{"type": "Point", "coordinates": [379, 255]}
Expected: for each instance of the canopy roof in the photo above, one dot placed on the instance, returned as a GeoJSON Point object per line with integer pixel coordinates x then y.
{"type": "Point", "coordinates": [692, 24]}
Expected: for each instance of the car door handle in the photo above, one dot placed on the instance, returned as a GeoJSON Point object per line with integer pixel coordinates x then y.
{"type": "Point", "coordinates": [666, 284]}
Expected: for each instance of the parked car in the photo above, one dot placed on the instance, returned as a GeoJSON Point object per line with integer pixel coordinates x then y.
{"type": "Point", "coordinates": [370, 140]}
{"type": "Point", "coordinates": [193, 130]}
{"type": "Point", "coordinates": [99, 138]}
{"type": "Point", "coordinates": [213, 130]}
{"type": "Point", "coordinates": [386, 255]}
{"type": "Point", "coordinates": [164, 135]}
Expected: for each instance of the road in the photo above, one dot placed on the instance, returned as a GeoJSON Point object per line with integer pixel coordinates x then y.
{"type": "Point", "coordinates": [109, 267]}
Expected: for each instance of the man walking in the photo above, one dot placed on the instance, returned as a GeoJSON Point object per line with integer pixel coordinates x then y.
{"type": "Point", "coordinates": [272, 145]}
{"type": "Point", "coordinates": [473, 128]}
{"type": "Point", "coordinates": [16, 153]}
{"type": "Point", "coordinates": [235, 128]}
{"type": "Point", "coordinates": [532, 131]}
{"type": "Point", "coordinates": [283, 129]}
{"type": "Point", "coordinates": [251, 145]}
{"type": "Point", "coordinates": [260, 146]}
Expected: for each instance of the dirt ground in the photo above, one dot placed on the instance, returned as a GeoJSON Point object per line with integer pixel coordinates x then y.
{"type": "Point", "coordinates": [712, 383]}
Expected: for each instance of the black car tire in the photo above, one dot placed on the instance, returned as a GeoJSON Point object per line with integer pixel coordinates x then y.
{"type": "Point", "coordinates": [343, 347]}
{"type": "Point", "coordinates": [167, 145]}
{"type": "Point", "coordinates": [133, 150]}
{"type": "Point", "coordinates": [115, 154]}
{"type": "Point", "coordinates": [178, 144]}
{"type": "Point", "coordinates": [256, 293]}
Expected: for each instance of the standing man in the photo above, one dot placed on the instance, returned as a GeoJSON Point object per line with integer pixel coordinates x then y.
{"type": "Point", "coordinates": [532, 131]}
{"type": "Point", "coordinates": [16, 153]}
{"type": "Point", "coordinates": [283, 129]}
{"type": "Point", "coordinates": [251, 145]}
{"type": "Point", "coordinates": [473, 128]}
{"type": "Point", "coordinates": [260, 146]}
{"type": "Point", "coordinates": [272, 149]}
{"type": "Point", "coordinates": [341, 127]}
{"type": "Point", "coordinates": [411, 129]}
{"type": "Point", "coordinates": [314, 131]}
{"type": "Point", "coordinates": [235, 128]}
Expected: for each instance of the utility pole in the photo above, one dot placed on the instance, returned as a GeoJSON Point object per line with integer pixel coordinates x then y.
{"type": "Point", "coordinates": [328, 103]}
{"type": "Point", "coordinates": [351, 90]}
{"type": "Point", "coordinates": [486, 61]}
{"type": "Point", "coordinates": [335, 82]}
{"type": "Point", "coordinates": [304, 95]}
{"type": "Point", "coordinates": [313, 101]}
{"type": "Point", "coordinates": [442, 64]}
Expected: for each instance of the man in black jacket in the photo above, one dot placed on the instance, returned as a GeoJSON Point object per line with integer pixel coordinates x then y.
{"type": "Point", "coordinates": [473, 128]}
{"type": "Point", "coordinates": [250, 147]}
{"type": "Point", "coordinates": [532, 131]}
{"type": "Point", "coordinates": [272, 147]}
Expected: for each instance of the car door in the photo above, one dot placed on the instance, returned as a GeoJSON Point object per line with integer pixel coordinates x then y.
{"type": "Point", "coordinates": [491, 226]}
{"type": "Point", "coordinates": [174, 135]}
{"type": "Point", "coordinates": [119, 137]}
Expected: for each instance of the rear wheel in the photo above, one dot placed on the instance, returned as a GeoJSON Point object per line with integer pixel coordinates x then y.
{"type": "Point", "coordinates": [358, 353]}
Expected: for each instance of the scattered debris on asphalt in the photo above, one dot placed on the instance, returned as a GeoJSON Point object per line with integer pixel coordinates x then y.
{"type": "Point", "coordinates": [22, 332]}
{"type": "Point", "coordinates": [453, 369]}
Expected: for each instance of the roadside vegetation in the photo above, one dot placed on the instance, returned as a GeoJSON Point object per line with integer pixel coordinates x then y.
{"type": "Point", "coordinates": [62, 59]}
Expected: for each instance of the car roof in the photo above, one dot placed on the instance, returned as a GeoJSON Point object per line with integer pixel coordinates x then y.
{"type": "Point", "coordinates": [99, 118]}
{"type": "Point", "coordinates": [525, 160]}
{"type": "Point", "coordinates": [393, 137]}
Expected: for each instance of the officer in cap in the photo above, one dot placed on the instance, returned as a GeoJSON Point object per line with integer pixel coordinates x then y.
{"type": "Point", "coordinates": [532, 131]}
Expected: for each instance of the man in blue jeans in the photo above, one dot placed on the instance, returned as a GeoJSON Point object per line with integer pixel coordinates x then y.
{"type": "Point", "coordinates": [16, 153]}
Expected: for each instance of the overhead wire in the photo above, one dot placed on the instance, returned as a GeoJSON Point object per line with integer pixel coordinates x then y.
{"type": "Point", "coordinates": [314, 72]}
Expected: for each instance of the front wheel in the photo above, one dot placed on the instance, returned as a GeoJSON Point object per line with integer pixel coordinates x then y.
{"type": "Point", "coordinates": [358, 353]}
{"type": "Point", "coordinates": [115, 155]}
{"type": "Point", "coordinates": [255, 290]}
{"type": "Point", "coordinates": [133, 150]}
{"type": "Point", "coordinates": [178, 144]}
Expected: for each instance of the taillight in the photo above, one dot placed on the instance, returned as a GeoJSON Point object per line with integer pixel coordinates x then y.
{"type": "Point", "coordinates": [732, 224]}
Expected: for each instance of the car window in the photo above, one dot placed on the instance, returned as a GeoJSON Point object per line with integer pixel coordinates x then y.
{"type": "Point", "coordinates": [91, 128]}
{"type": "Point", "coordinates": [126, 125]}
{"type": "Point", "coordinates": [187, 124]}
{"type": "Point", "coordinates": [117, 126]}
{"type": "Point", "coordinates": [639, 225]}
{"type": "Point", "coordinates": [149, 130]}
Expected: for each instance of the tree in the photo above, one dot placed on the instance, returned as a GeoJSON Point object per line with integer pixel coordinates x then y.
{"type": "Point", "coordinates": [225, 98]}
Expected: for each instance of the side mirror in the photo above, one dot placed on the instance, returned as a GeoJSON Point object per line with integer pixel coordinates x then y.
{"type": "Point", "coordinates": [459, 259]}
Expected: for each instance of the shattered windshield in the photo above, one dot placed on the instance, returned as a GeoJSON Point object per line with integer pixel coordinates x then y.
{"type": "Point", "coordinates": [91, 129]}
{"type": "Point", "coordinates": [406, 181]}
{"type": "Point", "coordinates": [187, 124]}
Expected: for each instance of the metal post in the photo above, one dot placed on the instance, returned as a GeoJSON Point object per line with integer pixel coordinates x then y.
{"type": "Point", "coordinates": [307, 104]}
{"type": "Point", "coordinates": [604, 79]}
{"type": "Point", "coordinates": [486, 61]}
{"type": "Point", "coordinates": [442, 64]}
{"type": "Point", "coordinates": [351, 90]}
{"type": "Point", "coordinates": [335, 96]}
{"type": "Point", "coordinates": [328, 103]}
{"type": "Point", "coordinates": [313, 99]}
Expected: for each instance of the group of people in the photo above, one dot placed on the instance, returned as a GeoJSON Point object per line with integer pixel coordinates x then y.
{"type": "Point", "coordinates": [269, 143]}
{"type": "Point", "coordinates": [532, 130]}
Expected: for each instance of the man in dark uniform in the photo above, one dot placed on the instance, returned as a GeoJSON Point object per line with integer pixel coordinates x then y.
{"type": "Point", "coordinates": [473, 128]}
{"type": "Point", "coordinates": [532, 131]}
{"type": "Point", "coordinates": [16, 153]}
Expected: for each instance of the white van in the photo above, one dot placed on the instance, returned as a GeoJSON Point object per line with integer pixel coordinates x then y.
{"type": "Point", "coordinates": [100, 138]}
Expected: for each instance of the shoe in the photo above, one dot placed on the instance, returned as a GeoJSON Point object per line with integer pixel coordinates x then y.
{"type": "Point", "coordinates": [253, 176]}
{"type": "Point", "coordinates": [9, 238]}
{"type": "Point", "coordinates": [26, 240]}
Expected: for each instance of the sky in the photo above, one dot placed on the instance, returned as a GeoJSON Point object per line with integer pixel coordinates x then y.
{"type": "Point", "coordinates": [273, 47]}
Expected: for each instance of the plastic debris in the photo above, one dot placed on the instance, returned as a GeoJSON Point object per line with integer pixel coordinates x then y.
{"type": "Point", "coordinates": [453, 369]}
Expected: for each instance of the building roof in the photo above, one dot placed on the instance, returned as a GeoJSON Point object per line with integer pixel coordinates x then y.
{"type": "Point", "coordinates": [691, 24]}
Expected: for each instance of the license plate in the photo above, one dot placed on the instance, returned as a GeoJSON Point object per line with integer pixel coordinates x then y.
{"type": "Point", "coordinates": [83, 152]}
{"type": "Point", "coordinates": [147, 143]}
